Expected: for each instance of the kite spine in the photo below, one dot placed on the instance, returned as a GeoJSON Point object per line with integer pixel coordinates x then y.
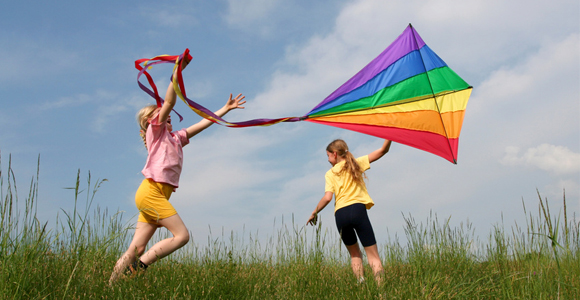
{"type": "Point", "coordinates": [433, 93]}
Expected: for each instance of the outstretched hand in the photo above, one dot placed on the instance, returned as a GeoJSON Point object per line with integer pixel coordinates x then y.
{"type": "Point", "coordinates": [232, 103]}
{"type": "Point", "coordinates": [237, 102]}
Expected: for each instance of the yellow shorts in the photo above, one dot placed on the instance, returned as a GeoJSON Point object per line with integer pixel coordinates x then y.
{"type": "Point", "coordinates": [152, 200]}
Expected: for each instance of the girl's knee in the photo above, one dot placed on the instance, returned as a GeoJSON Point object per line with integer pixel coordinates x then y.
{"type": "Point", "coordinates": [185, 239]}
{"type": "Point", "coordinates": [182, 239]}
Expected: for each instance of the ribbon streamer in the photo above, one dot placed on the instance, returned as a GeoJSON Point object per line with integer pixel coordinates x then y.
{"type": "Point", "coordinates": [179, 88]}
{"type": "Point", "coordinates": [407, 94]}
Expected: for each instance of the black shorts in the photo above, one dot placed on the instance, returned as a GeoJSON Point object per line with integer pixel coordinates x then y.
{"type": "Point", "coordinates": [354, 218]}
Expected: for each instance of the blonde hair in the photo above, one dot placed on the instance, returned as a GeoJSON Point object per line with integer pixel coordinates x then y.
{"type": "Point", "coordinates": [351, 166]}
{"type": "Point", "coordinates": [143, 117]}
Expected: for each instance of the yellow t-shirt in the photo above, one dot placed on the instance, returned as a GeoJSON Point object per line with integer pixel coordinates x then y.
{"type": "Point", "coordinates": [347, 191]}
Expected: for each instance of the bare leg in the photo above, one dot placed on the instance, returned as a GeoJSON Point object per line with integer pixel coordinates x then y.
{"type": "Point", "coordinates": [143, 233]}
{"type": "Point", "coordinates": [165, 247]}
{"type": "Point", "coordinates": [356, 261]}
{"type": "Point", "coordinates": [375, 262]}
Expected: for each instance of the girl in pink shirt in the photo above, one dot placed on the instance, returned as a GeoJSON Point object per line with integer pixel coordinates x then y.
{"type": "Point", "coordinates": [161, 171]}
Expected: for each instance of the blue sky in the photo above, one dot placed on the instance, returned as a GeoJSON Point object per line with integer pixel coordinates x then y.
{"type": "Point", "coordinates": [69, 93]}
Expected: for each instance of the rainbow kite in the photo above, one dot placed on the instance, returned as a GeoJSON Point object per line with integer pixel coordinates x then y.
{"type": "Point", "coordinates": [407, 94]}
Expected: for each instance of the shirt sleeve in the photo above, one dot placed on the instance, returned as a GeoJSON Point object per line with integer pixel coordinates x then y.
{"type": "Point", "coordinates": [182, 134]}
{"type": "Point", "coordinates": [155, 119]}
{"type": "Point", "coordinates": [364, 162]}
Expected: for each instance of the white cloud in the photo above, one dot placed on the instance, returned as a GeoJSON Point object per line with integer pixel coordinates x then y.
{"type": "Point", "coordinates": [244, 12]}
{"type": "Point", "coordinates": [554, 159]}
{"type": "Point", "coordinates": [66, 102]}
{"type": "Point", "coordinates": [533, 102]}
{"type": "Point", "coordinates": [105, 114]}
{"type": "Point", "coordinates": [554, 65]}
{"type": "Point", "coordinates": [169, 15]}
{"type": "Point", "coordinates": [258, 17]}
{"type": "Point", "coordinates": [112, 105]}
{"type": "Point", "coordinates": [103, 106]}
{"type": "Point", "coordinates": [228, 162]}
{"type": "Point", "coordinates": [276, 20]}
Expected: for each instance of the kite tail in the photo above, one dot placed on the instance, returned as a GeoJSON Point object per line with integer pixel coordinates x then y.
{"type": "Point", "coordinates": [179, 87]}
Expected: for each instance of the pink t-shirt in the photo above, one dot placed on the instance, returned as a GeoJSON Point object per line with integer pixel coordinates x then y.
{"type": "Point", "coordinates": [165, 157]}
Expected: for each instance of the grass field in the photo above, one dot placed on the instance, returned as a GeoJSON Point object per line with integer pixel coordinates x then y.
{"type": "Point", "coordinates": [74, 259]}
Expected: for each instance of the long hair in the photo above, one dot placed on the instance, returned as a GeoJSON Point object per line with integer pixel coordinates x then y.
{"type": "Point", "coordinates": [350, 165]}
{"type": "Point", "coordinates": [143, 117]}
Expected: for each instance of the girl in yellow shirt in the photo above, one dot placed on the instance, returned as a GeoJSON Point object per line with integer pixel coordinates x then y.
{"type": "Point", "coordinates": [345, 180]}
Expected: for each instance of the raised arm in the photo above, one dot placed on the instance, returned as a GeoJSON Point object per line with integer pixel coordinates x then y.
{"type": "Point", "coordinates": [170, 98]}
{"type": "Point", "coordinates": [375, 155]}
{"type": "Point", "coordinates": [232, 103]}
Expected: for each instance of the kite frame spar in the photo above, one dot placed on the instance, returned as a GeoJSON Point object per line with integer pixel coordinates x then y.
{"type": "Point", "coordinates": [425, 114]}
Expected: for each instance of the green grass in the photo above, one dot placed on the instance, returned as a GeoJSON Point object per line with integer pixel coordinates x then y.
{"type": "Point", "coordinates": [74, 258]}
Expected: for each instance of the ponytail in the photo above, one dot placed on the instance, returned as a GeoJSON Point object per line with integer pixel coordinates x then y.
{"type": "Point", "coordinates": [350, 164]}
